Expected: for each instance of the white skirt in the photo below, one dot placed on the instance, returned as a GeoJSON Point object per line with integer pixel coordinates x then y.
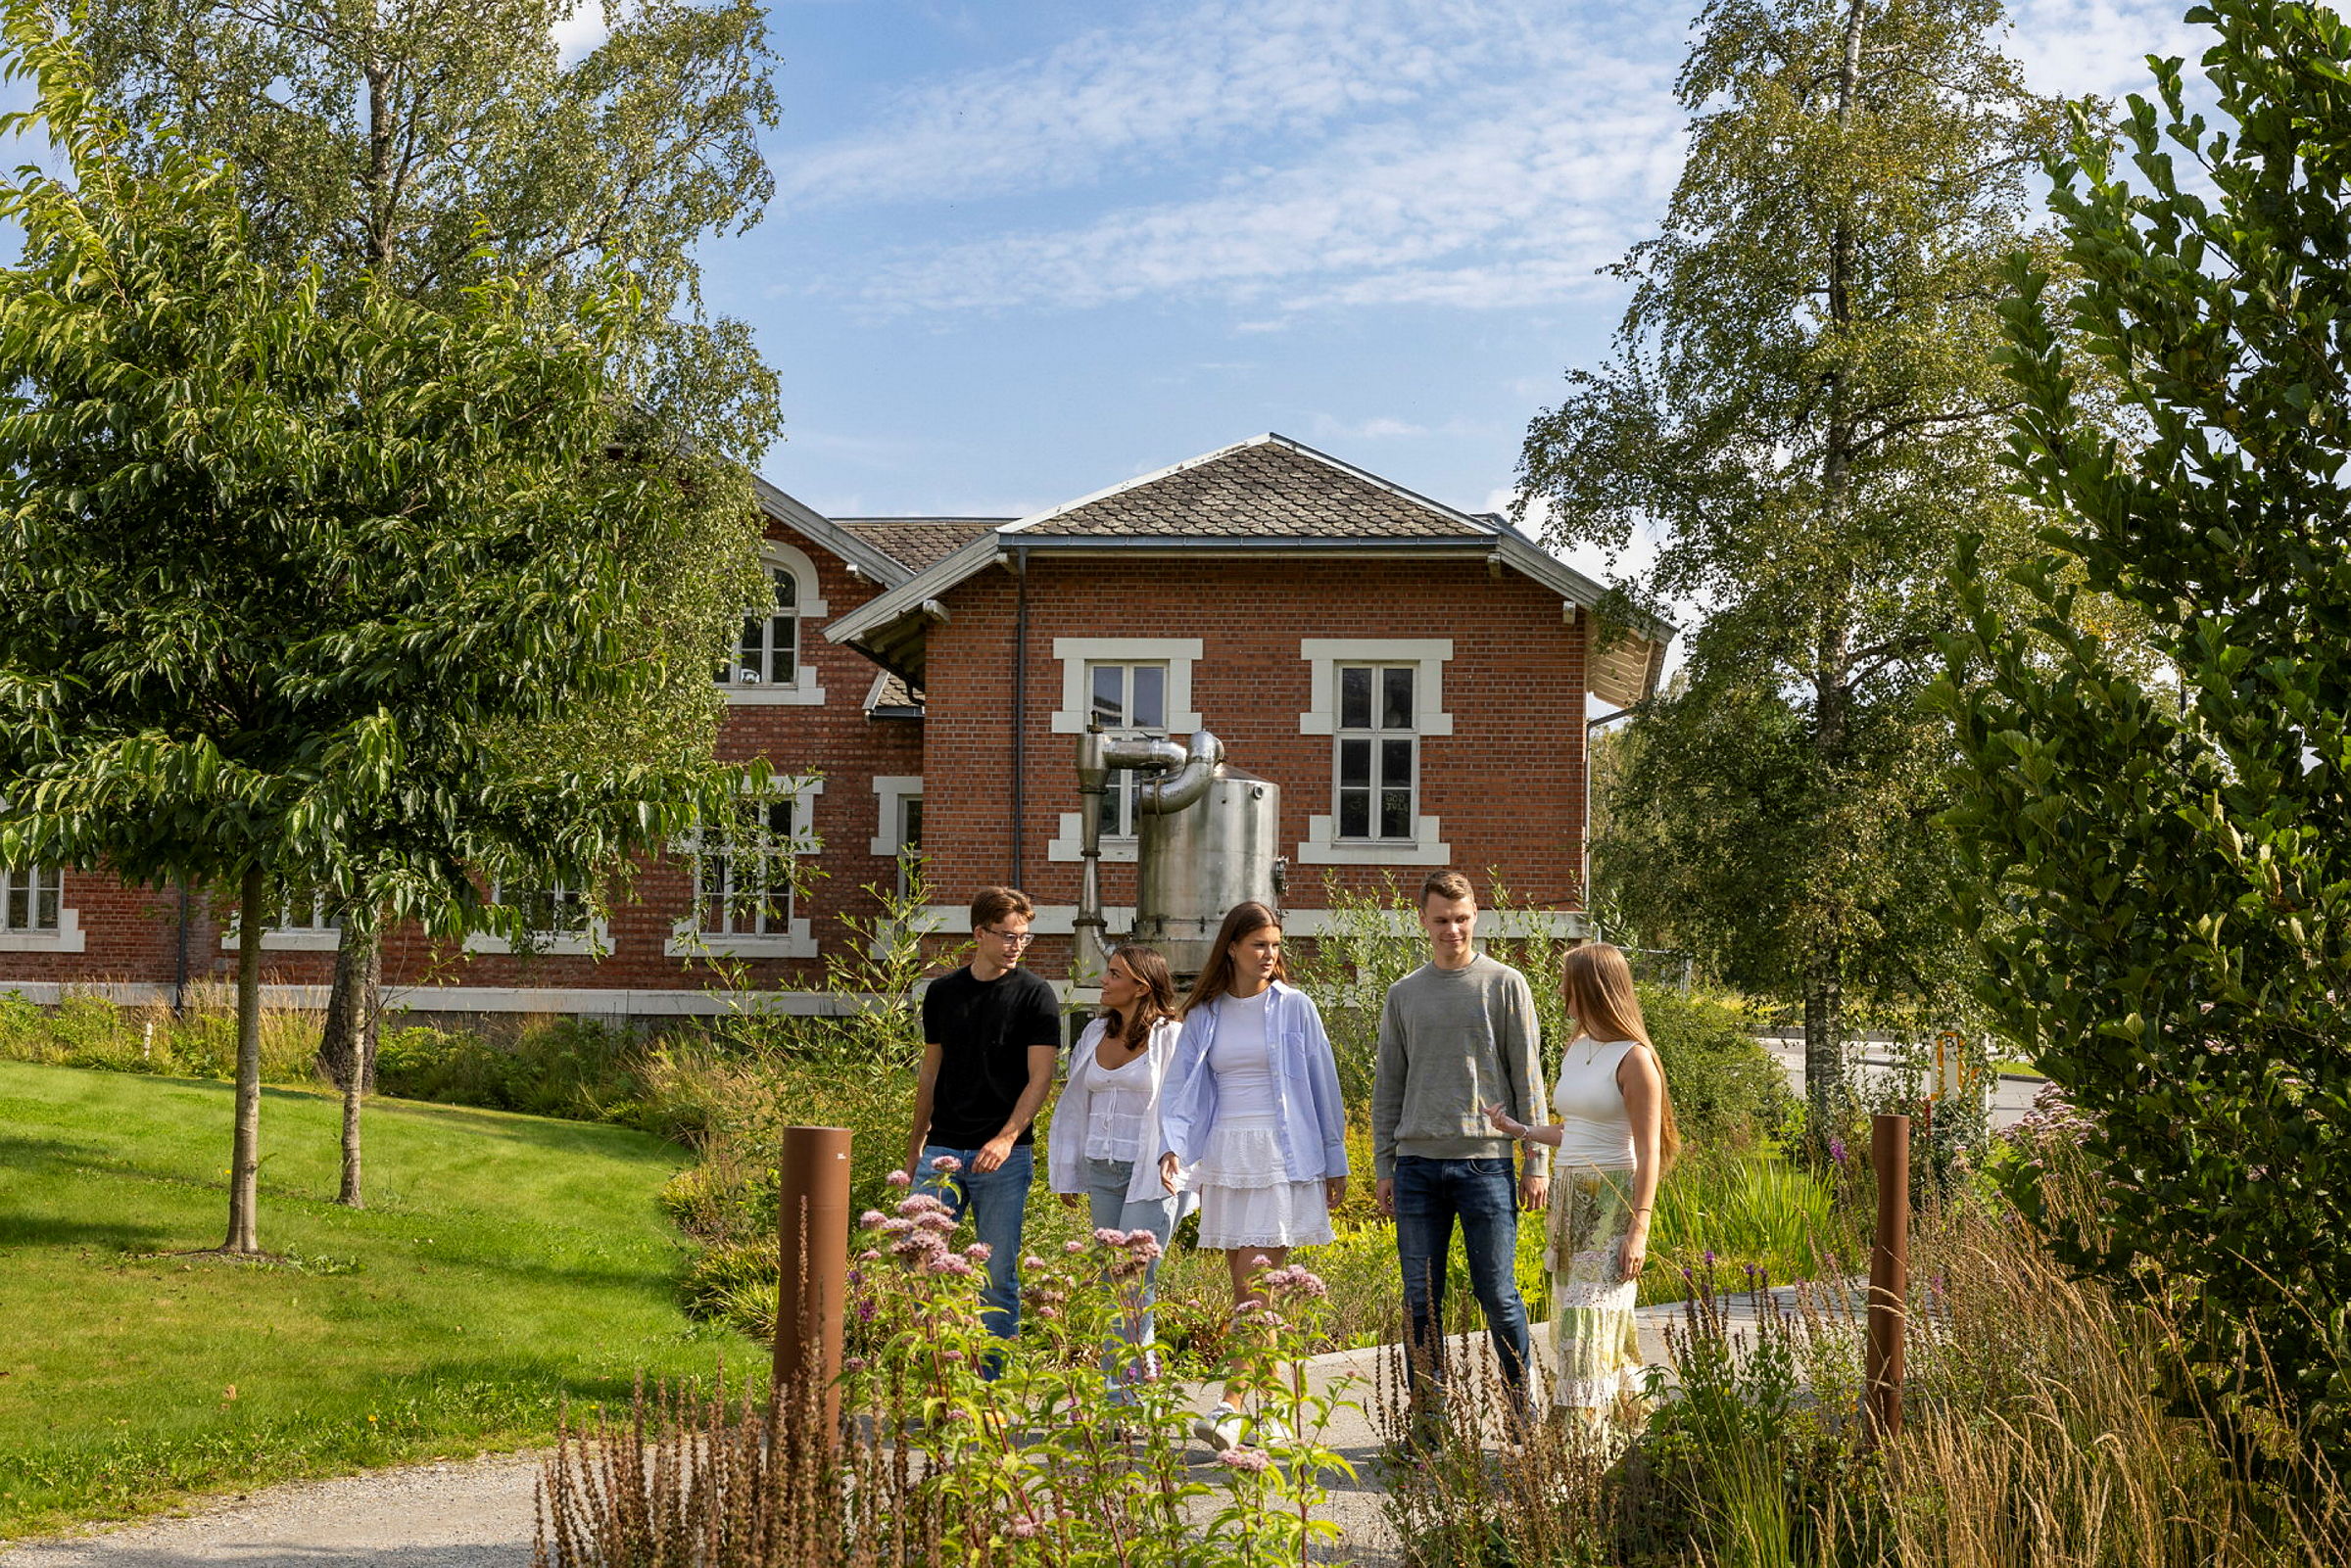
{"type": "Point", "coordinates": [1246, 1196]}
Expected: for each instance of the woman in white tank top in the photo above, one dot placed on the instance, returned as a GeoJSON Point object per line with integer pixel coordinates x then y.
{"type": "Point", "coordinates": [1615, 1137]}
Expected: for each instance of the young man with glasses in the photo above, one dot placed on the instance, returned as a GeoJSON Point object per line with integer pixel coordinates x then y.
{"type": "Point", "coordinates": [1457, 1034]}
{"type": "Point", "coordinates": [992, 1035]}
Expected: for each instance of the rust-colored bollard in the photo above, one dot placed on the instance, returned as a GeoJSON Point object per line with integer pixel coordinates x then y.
{"type": "Point", "coordinates": [812, 1228]}
{"type": "Point", "coordinates": [1889, 1278]}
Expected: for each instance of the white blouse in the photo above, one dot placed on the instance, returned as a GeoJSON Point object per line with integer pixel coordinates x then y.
{"type": "Point", "coordinates": [1117, 1101]}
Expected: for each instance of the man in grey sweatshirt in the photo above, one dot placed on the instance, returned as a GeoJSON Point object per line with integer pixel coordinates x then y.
{"type": "Point", "coordinates": [1457, 1034]}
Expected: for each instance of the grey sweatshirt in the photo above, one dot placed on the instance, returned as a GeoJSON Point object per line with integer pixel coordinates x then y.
{"type": "Point", "coordinates": [1450, 1043]}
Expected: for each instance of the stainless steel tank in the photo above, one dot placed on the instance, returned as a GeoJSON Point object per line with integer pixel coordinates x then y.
{"type": "Point", "coordinates": [1195, 863]}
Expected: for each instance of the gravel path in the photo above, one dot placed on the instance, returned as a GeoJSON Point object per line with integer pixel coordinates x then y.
{"type": "Point", "coordinates": [477, 1513]}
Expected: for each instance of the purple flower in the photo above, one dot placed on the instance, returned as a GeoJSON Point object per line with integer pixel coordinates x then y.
{"type": "Point", "coordinates": [867, 1311]}
{"type": "Point", "coordinates": [853, 1363]}
{"type": "Point", "coordinates": [1249, 1461]}
{"type": "Point", "coordinates": [1710, 1259]}
{"type": "Point", "coordinates": [897, 1178]}
{"type": "Point", "coordinates": [947, 1263]}
{"type": "Point", "coordinates": [1835, 1149]}
{"type": "Point", "coordinates": [946, 1165]}
{"type": "Point", "coordinates": [978, 1251]}
{"type": "Point", "coordinates": [871, 1218]}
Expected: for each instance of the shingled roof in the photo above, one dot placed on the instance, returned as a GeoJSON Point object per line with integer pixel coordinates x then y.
{"type": "Point", "coordinates": [1269, 488]}
{"type": "Point", "coordinates": [919, 541]}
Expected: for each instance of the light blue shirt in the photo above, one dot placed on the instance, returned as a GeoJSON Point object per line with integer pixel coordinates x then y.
{"type": "Point", "coordinates": [1312, 1123]}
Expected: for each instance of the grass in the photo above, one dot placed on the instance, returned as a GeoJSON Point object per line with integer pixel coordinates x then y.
{"type": "Point", "coordinates": [506, 1264]}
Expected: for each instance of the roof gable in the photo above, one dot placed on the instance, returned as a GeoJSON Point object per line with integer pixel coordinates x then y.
{"type": "Point", "coordinates": [877, 565]}
{"type": "Point", "coordinates": [1267, 487]}
{"type": "Point", "coordinates": [919, 543]}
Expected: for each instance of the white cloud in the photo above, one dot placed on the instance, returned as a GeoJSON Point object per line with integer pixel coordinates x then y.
{"type": "Point", "coordinates": [582, 31]}
{"type": "Point", "coordinates": [2099, 46]}
{"type": "Point", "coordinates": [1498, 202]}
{"type": "Point", "coordinates": [1171, 78]}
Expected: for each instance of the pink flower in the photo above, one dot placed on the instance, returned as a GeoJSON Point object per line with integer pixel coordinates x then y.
{"type": "Point", "coordinates": [1297, 1280]}
{"type": "Point", "coordinates": [936, 1224]}
{"type": "Point", "coordinates": [1032, 1261]}
{"type": "Point", "coordinates": [978, 1251]}
{"type": "Point", "coordinates": [870, 1218]}
{"type": "Point", "coordinates": [897, 1178]}
{"type": "Point", "coordinates": [896, 1227]}
{"type": "Point", "coordinates": [1110, 1238]}
{"type": "Point", "coordinates": [1249, 1461]}
{"type": "Point", "coordinates": [1137, 1237]}
{"type": "Point", "coordinates": [871, 1254]}
{"type": "Point", "coordinates": [947, 1263]}
{"type": "Point", "coordinates": [922, 1203]}
{"type": "Point", "coordinates": [1021, 1529]}
{"type": "Point", "coordinates": [1073, 1247]}
{"type": "Point", "coordinates": [1045, 1313]}
{"type": "Point", "coordinates": [946, 1165]}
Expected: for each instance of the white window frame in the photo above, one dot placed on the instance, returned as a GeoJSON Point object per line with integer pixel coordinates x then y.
{"type": "Point", "coordinates": [802, 690]}
{"type": "Point", "coordinates": [797, 939]}
{"type": "Point", "coordinates": [1323, 845]}
{"type": "Point", "coordinates": [1079, 655]}
{"type": "Point", "coordinates": [591, 940]}
{"type": "Point", "coordinates": [892, 792]}
{"type": "Point", "coordinates": [66, 937]}
{"type": "Point", "coordinates": [284, 936]}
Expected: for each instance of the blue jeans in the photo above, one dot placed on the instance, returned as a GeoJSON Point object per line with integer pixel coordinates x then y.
{"type": "Point", "coordinates": [1483, 1195]}
{"type": "Point", "coordinates": [997, 1201]}
{"type": "Point", "coordinates": [1106, 1183]}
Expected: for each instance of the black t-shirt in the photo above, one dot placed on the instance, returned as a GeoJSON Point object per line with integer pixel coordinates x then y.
{"type": "Point", "coordinates": [983, 1030]}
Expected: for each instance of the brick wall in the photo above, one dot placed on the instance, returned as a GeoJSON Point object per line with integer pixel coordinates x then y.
{"type": "Point", "coordinates": [1507, 785]}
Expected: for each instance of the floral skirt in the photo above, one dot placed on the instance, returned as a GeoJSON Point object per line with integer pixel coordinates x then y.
{"type": "Point", "coordinates": [1592, 1332]}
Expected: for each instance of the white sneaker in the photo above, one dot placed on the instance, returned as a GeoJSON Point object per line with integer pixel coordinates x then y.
{"type": "Point", "coordinates": [1224, 1432]}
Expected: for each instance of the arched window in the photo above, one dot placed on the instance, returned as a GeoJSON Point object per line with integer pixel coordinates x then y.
{"type": "Point", "coordinates": [767, 664]}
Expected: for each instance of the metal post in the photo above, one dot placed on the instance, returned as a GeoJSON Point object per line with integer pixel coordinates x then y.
{"type": "Point", "coordinates": [812, 1231]}
{"type": "Point", "coordinates": [1889, 1278]}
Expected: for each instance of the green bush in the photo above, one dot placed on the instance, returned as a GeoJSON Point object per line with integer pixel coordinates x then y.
{"type": "Point", "coordinates": [577, 1069]}
{"type": "Point", "coordinates": [201, 1042]}
{"type": "Point", "coordinates": [1728, 1092]}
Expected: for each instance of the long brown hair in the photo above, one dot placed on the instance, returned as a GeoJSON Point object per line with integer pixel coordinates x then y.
{"type": "Point", "coordinates": [1244, 919]}
{"type": "Point", "coordinates": [1157, 1002]}
{"type": "Point", "coordinates": [1598, 985]}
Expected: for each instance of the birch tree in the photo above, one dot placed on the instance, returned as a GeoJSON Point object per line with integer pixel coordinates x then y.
{"type": "Point", "coordinates": [1802, 410]}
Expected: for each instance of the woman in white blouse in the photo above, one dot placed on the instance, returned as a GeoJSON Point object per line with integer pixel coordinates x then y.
{"type": "Point", "coordinates": [1615, 1137]}
{"type": "Point", "coordinates": [1105, 1141]}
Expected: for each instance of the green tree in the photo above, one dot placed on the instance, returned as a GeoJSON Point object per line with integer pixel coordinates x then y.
{"type": "Point", "coordinates": [269, 568]}
{"type": "Point", "coordinates": [422, 144]}
{"type": "Point", "coordinates": [1803, 408]}
{"type": "Point", "coordinates": [2163, 875]}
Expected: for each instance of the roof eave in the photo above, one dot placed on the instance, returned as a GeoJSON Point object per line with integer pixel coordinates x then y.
{"type": "Point", "coordinates": [803, 519]}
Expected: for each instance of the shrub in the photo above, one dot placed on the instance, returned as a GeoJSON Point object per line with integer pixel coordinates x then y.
{"type": "Point", "coordinates": [1728, 1091]}
{"type": "Point", "coordinates": [201, 1042]}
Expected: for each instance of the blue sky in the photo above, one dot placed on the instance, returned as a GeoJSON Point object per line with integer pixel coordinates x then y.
{"type": "Point", "coordinates": [1024, 249]}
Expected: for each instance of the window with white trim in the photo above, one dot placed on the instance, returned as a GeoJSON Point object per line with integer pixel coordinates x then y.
{"type": "Point", "coordinates": [307, 913]}
{"type": "Point", "coordinates": [549, 913]}
{"type": "Point", "coordinates": [30, 897]}
{"type": "Point", "coordinates": [1376, 761]}
{"type": "Point", "coordinates": [769, 662]}
{"type": "Point", "coordinates": [768, 653]}
{"type": "Point", "coordinates": [1381, 701]}
{"type": "Point", "coordinates": [743, 881]}
{"type": "Point", "coordinates": [1127, 702]}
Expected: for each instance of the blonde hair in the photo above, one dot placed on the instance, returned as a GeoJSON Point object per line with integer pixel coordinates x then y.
{"type": "Point", "coordinates": [1598, 987]}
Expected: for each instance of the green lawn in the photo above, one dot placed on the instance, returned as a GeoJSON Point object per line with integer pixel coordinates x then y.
{"type": "Point", "coordinates": [506, 1263]}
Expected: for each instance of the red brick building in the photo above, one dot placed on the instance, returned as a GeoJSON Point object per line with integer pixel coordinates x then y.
{"type": "Point", "coordinates": [1414, 678]}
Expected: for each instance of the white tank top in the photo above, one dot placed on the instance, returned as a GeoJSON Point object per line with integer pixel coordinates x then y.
{"type": "Point", "coordinates": [1599, 1131]}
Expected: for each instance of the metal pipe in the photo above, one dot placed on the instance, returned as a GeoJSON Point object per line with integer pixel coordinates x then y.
{"type": "Point", "coordinates": [812, 1234]}
{"type": "Point", "coordinates": [1099, 757]}
{"type": "Point", "coordinates": [1889, 1279]}
{"type": "Point", "coordinates": [1162, 796]}
{"type": "Point", "coordinates": [1020, 710]}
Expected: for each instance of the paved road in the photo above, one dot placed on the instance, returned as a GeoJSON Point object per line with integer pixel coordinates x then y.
{"type": "Point", "coordinates": [2012, 1098]}
{"type": "Point", "coordinates": [477, 1513]}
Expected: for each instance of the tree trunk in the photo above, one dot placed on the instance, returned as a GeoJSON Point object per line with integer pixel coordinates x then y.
{"type": "Point", "coordinates": [1831, 673]}
{"type": "Point", "coordinates": [346, 1045]}
{"type": "Point", "coordinates": [245, 1157]}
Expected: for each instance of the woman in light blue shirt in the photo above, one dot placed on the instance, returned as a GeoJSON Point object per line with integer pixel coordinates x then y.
{"type": "Point", "coordinates": [1252, 1102]}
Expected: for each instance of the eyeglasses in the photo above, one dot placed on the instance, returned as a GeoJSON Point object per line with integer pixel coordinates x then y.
{"type": "Point", "coordinates": [1010, 939]}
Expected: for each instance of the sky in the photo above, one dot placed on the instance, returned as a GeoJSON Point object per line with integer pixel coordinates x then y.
{"type": "Point", "coordinates": [1021, 250]}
